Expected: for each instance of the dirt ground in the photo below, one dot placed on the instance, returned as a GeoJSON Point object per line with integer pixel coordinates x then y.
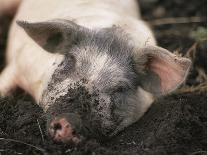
{"type": "Point", "coordinates": [175, 124]}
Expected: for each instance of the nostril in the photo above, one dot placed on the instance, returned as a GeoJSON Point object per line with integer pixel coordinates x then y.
{"type": "Point", "coordinates": [73, 132]}
{"type": "Point", "coordinates": [57, 126]}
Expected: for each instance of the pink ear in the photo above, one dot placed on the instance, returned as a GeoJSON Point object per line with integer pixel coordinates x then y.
{"type": "Point", "coordinates": [40, 31]}
{"type": "Point", "coordinates": [53, 35]}
{"type": "Point", "coordinates": [170, 68]}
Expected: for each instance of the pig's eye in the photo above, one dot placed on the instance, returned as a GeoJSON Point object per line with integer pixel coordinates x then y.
{"type": "Point", "coordinates": [71, 100]}
{"type": "Point", "coordinates": [120, 89]}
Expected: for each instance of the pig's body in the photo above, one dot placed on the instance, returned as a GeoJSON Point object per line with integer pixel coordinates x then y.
{"type": "Point", "coordinates": [35, 67]}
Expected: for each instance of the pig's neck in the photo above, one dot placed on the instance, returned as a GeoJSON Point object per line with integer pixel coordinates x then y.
{"type": "Point", "coordinates": [38, 71]}
{"type": "Point", "coordinates": [46, 76]}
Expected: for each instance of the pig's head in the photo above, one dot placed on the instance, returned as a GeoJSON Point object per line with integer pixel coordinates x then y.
{"type": "Point", "coordinates": [104, 82]}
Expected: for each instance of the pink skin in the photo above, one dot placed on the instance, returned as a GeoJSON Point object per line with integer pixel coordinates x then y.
{"type": "Point", "coordinates": [61, 131]}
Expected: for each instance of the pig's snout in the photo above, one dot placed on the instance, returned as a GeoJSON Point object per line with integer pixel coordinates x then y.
{"type": "Point", "coordinates": [63, 129]}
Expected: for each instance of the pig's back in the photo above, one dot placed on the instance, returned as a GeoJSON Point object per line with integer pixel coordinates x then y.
{"type": "Point", "coordinates": [37, 10]}
{"type": "Point", "coordinates": [88, 13]}
{"type": "Point", "coordinates": [31, 61]}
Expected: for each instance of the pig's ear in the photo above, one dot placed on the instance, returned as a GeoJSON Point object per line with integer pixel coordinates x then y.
{"type": "Point", "coordinates": [160, 71]}
{"type": "Point", "coordinates": [55, 36]}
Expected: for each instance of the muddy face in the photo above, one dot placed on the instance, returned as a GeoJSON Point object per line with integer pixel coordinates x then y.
{"type": "Point", "coordinates": [104, 83]}
{"type": "Point", "coordinates": [85, 115]}
{"type": "Point", "coordinates": [94, 83]}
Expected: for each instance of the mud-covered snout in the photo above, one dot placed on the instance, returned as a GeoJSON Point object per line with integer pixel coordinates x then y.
{"type": "Point", "coordinates": [65, 128]}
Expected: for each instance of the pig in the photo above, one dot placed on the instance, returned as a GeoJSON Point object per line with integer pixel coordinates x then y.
{"type": "Point", "coordinates": [93, 66]}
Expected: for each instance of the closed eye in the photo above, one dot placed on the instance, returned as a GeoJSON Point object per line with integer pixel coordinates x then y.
{"type": "Point", "coordinates": [121, 89]}
{"type": "Point", "coordinates": [71, 100]}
